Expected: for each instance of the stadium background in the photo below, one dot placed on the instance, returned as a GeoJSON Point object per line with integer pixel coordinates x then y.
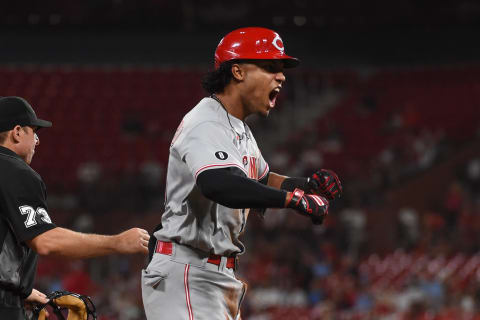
{"type": "Point", "coordinates": [387, 95]}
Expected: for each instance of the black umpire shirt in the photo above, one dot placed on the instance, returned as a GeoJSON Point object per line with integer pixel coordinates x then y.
{"type": "Point", "coordinates": [23, 216]}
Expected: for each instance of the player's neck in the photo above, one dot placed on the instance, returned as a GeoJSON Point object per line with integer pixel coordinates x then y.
{"type": "Point", "coordinates": [233, 104]}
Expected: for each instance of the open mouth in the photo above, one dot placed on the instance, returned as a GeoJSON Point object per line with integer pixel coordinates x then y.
{"type": "Point", "coordinates": [273, 96]}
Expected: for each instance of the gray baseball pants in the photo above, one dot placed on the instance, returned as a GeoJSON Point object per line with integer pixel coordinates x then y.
{"type": "Point", "coordinates": [184, 286]}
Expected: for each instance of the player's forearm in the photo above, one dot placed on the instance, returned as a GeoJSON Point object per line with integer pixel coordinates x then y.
{"type": "Point", "coordinates": [67, 243]}
{"type": "Point", "coordinates": [236, 191]}
{"type": "Point", "coordinates": [287, 183]}
{"type": "Point", "coordinates": [275, 180]}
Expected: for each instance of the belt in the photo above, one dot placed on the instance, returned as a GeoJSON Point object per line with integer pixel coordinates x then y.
{"type": "Point", "coordinates": [166, 248]}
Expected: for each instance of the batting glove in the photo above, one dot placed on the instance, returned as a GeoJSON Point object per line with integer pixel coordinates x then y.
{"type": "Point", "coordinates": [310, 205]}
{"type": "Point", "coordinates": [326, 183]}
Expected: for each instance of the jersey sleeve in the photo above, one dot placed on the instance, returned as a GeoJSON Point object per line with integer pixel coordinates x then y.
{"type": "Point", "coordinates": [263, 169]}
{"type": "Point", "coordinates": [209, 145]}
{"type": "Point", "coordinates": [25, 205]}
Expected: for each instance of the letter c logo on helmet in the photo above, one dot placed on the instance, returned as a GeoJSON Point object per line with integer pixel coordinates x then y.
{"type": "Point", "coordinates": [278, 43]}
{"type": "Point", "coordinates": [253, 43]}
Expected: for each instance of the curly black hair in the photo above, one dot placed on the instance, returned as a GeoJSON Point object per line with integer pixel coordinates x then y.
{"type": "Point", "coordinates": [216, 80]}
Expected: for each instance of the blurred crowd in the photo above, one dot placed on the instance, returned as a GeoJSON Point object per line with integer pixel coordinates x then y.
{"type": "Point", "coordinates": [373, 258]}
{"type": "Point", "coordinates": [331, 273]}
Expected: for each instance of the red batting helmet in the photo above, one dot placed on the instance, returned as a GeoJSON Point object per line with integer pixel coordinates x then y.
{"type": "Point", "coordinates": [253, 43]}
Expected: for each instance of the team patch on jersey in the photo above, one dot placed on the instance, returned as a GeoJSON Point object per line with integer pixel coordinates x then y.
{"type": "Point", "coordinates": [222, 155]}
{"type": "Point", "coordinates": [245, 160]}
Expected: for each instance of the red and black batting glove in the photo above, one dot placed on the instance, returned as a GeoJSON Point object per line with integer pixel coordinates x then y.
{"type": "Point", "coordinates": [326, 183]}
{"type": "Point", "coordinates": [310, 205]}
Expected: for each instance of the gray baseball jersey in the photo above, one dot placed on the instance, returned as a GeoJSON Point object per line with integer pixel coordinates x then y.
{"type": "Point", "coordinates": [183, 285]}
{"type": "Point", "coordinates": [206, 140]}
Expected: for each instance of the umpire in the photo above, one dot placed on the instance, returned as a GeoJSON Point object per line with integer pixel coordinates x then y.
{"type": "Point", "coordinates": [26, 229]}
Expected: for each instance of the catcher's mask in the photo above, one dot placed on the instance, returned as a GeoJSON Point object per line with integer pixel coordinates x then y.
{"type": "Point", "coordinates": [66, 305]}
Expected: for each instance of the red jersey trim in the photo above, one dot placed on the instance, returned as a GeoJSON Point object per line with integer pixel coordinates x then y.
{"type": "Point", "coordinates": [267, 169]}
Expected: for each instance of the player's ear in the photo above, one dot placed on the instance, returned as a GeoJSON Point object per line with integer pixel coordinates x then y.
{"type": "Point", "coordinates": [237, 72]}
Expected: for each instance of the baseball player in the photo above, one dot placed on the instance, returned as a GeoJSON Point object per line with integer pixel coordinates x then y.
{"type": "Point", "coordinates": [26, 229]}
{"type": "Point", "coordinates": [215, 174]}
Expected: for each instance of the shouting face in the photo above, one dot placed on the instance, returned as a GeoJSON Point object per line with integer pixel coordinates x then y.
{"type": "Point", "coordinates": [261, 85]}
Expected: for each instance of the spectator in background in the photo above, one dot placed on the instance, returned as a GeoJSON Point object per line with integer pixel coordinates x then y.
{"type": "Point", "coordinates": [132, 125]}
{"type": "Point", "coordinates": [354, 222]}
{"type": "Point", "coordinates": [151, 184]}
{"type": "Point", "coordinates": [408, 228]}
{"type": "Point", "coordinates": [90, 194]}
{"type": "Point", "coordinates": [472, 176]}
{"type": "Point", "coordinates": [453, 205]}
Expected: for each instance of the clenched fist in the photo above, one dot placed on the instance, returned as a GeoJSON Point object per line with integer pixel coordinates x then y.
{"type": "Point", "coordinates": [326, 183]}
{"type": "Point", "coordinates": [310, 205]}
{"type": "Point", "coordinates": [134, 240]}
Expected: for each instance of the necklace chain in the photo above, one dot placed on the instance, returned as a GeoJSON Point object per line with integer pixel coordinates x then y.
{"type": "Point", "coordinates": [240, 136]}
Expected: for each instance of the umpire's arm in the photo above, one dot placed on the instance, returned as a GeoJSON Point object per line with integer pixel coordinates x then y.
{"type": "Point", "coordinates": [70, 244]}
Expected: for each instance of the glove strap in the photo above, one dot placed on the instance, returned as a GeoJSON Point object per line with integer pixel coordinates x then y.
{"type": "Point", "coordinates": [297, 195]}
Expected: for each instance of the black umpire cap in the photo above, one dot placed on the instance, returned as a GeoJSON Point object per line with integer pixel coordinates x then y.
{"type": "Point", "coordinates": [17, 111]}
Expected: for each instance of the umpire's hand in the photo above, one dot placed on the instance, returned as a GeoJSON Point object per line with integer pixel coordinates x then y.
{"type": "Point", "coordinates": [36, 297]}
{"type": "Point", "coordinates": [134, 240]}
